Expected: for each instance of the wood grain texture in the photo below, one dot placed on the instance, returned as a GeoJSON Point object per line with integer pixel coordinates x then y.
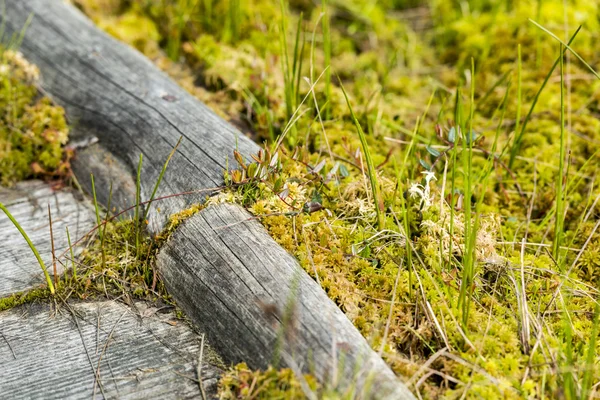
{"type": "Point", "coordinates": [28, 203]}
{"type": "Point", "coordinates": [141, 354]}
{"type": "Point", "coordinates": [114, 93]}
{"type": "Point", "coordinates": [235, 282]}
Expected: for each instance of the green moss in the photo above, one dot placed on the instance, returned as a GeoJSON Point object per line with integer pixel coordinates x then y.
{"type": "Point", "coordinates": [30, 296]}
{"type": "Point", "coordinates": [33, 131]}
{"type": "Point", "coordinates": [240, 382]}
{"type": "Point", "coordinates": [138, 31]}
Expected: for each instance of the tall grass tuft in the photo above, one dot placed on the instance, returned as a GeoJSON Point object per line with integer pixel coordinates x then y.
{"type": "Point", "coordinates": [516, 147]}
{"type": "Point", "coordinates": [184, 10]}
{"type": "Point", "coordinates": [292, 70]}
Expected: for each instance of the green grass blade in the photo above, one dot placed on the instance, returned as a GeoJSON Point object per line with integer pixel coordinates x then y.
{"type": "Point", "coordinates": [160, 177]}
{"type": "Point", "coordinates": [517, 143]}
{"type": "Point", "coordinates": [567, 45]}
{"type": "Point", "coordinates": [588, 374]}
{"type": "Point", "coordinates": [567, 348]}
{"type": "Point", "coordinates": [136, 217]}
{"type": "Point", "coordinates": [370, 166]}
{"type": "Point", "coordinates": [327, 54]}
{"type": "Point", "coordinates": [96, 206]}
{"type": "Point", "coordinates": [299, 69]}
{"type": "Point", "coordinates": [296, 55]}
{"type": "Point", "coordinates": [466, 287]}
{"type": "Point", "coordinates": [559, 215]}
{"type": "Point", "coordinates": [457, 126]}
{"type": "Point", "coordinates": [285, 61]}
{"type": "Point", "coordinates": [104, 227]}
{"type": "Point", "coordinates": [31, 246]}
{"type": "Point", "coordinates": [519, 87]}
{"type": "Point", "coordinates": [74, 265]}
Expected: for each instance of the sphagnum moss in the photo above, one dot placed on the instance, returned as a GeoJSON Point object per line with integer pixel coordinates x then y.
{"type": "Point", "coordinates": [316, 202]}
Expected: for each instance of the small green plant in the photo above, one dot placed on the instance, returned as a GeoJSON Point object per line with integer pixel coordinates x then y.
{"type": "Point", "coordinates": [291, 70]}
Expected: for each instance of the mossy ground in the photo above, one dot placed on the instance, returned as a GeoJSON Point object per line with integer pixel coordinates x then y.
{"type": "Point", "coordinates": [453, 199]}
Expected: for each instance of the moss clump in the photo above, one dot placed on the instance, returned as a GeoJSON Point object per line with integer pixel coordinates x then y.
{"type": "Point", "coordinates": [33, 131]}
{"type": "Point", "coordinates": [177, 219]}
{"type": "Point", "coordinates": [21, 298]}
{"type": "Point", "coordinates": [115, 262]}
{"type": "Point", "coordinates": [118, 259]}
{"type": "Point", "coordinates": [240, 382]}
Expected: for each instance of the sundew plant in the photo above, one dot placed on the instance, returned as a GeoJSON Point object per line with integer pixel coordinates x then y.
{"type": "Point", "coordinates": [431, 164]}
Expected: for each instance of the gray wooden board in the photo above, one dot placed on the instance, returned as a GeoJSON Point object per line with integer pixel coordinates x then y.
{"type": "Point", "coordinates": [50, 354]}
{"type": "Point", "coordinates": [28, 203]}
{"type": "Point", "coordinates": [235, 281]}
{"type": "Point", "coordinates": [114, 93]}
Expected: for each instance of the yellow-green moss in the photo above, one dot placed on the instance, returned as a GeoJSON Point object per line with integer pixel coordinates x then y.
{"type": "Point", "coordinates": [33, 131]}
{"type": "Point", "coordinates": [21, 298]}
{"type": "Point", "coordinates": [240, 382]}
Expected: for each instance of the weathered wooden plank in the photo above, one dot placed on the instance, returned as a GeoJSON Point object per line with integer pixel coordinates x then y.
{"type": "Point", "coordinates": [28, 203]}
{"type": "Point", "coordinates": [235, 281]}
{"type": "Point", "coordinates": [100, 350]}
{"type": "Point", "coordinates": [114, 93]}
